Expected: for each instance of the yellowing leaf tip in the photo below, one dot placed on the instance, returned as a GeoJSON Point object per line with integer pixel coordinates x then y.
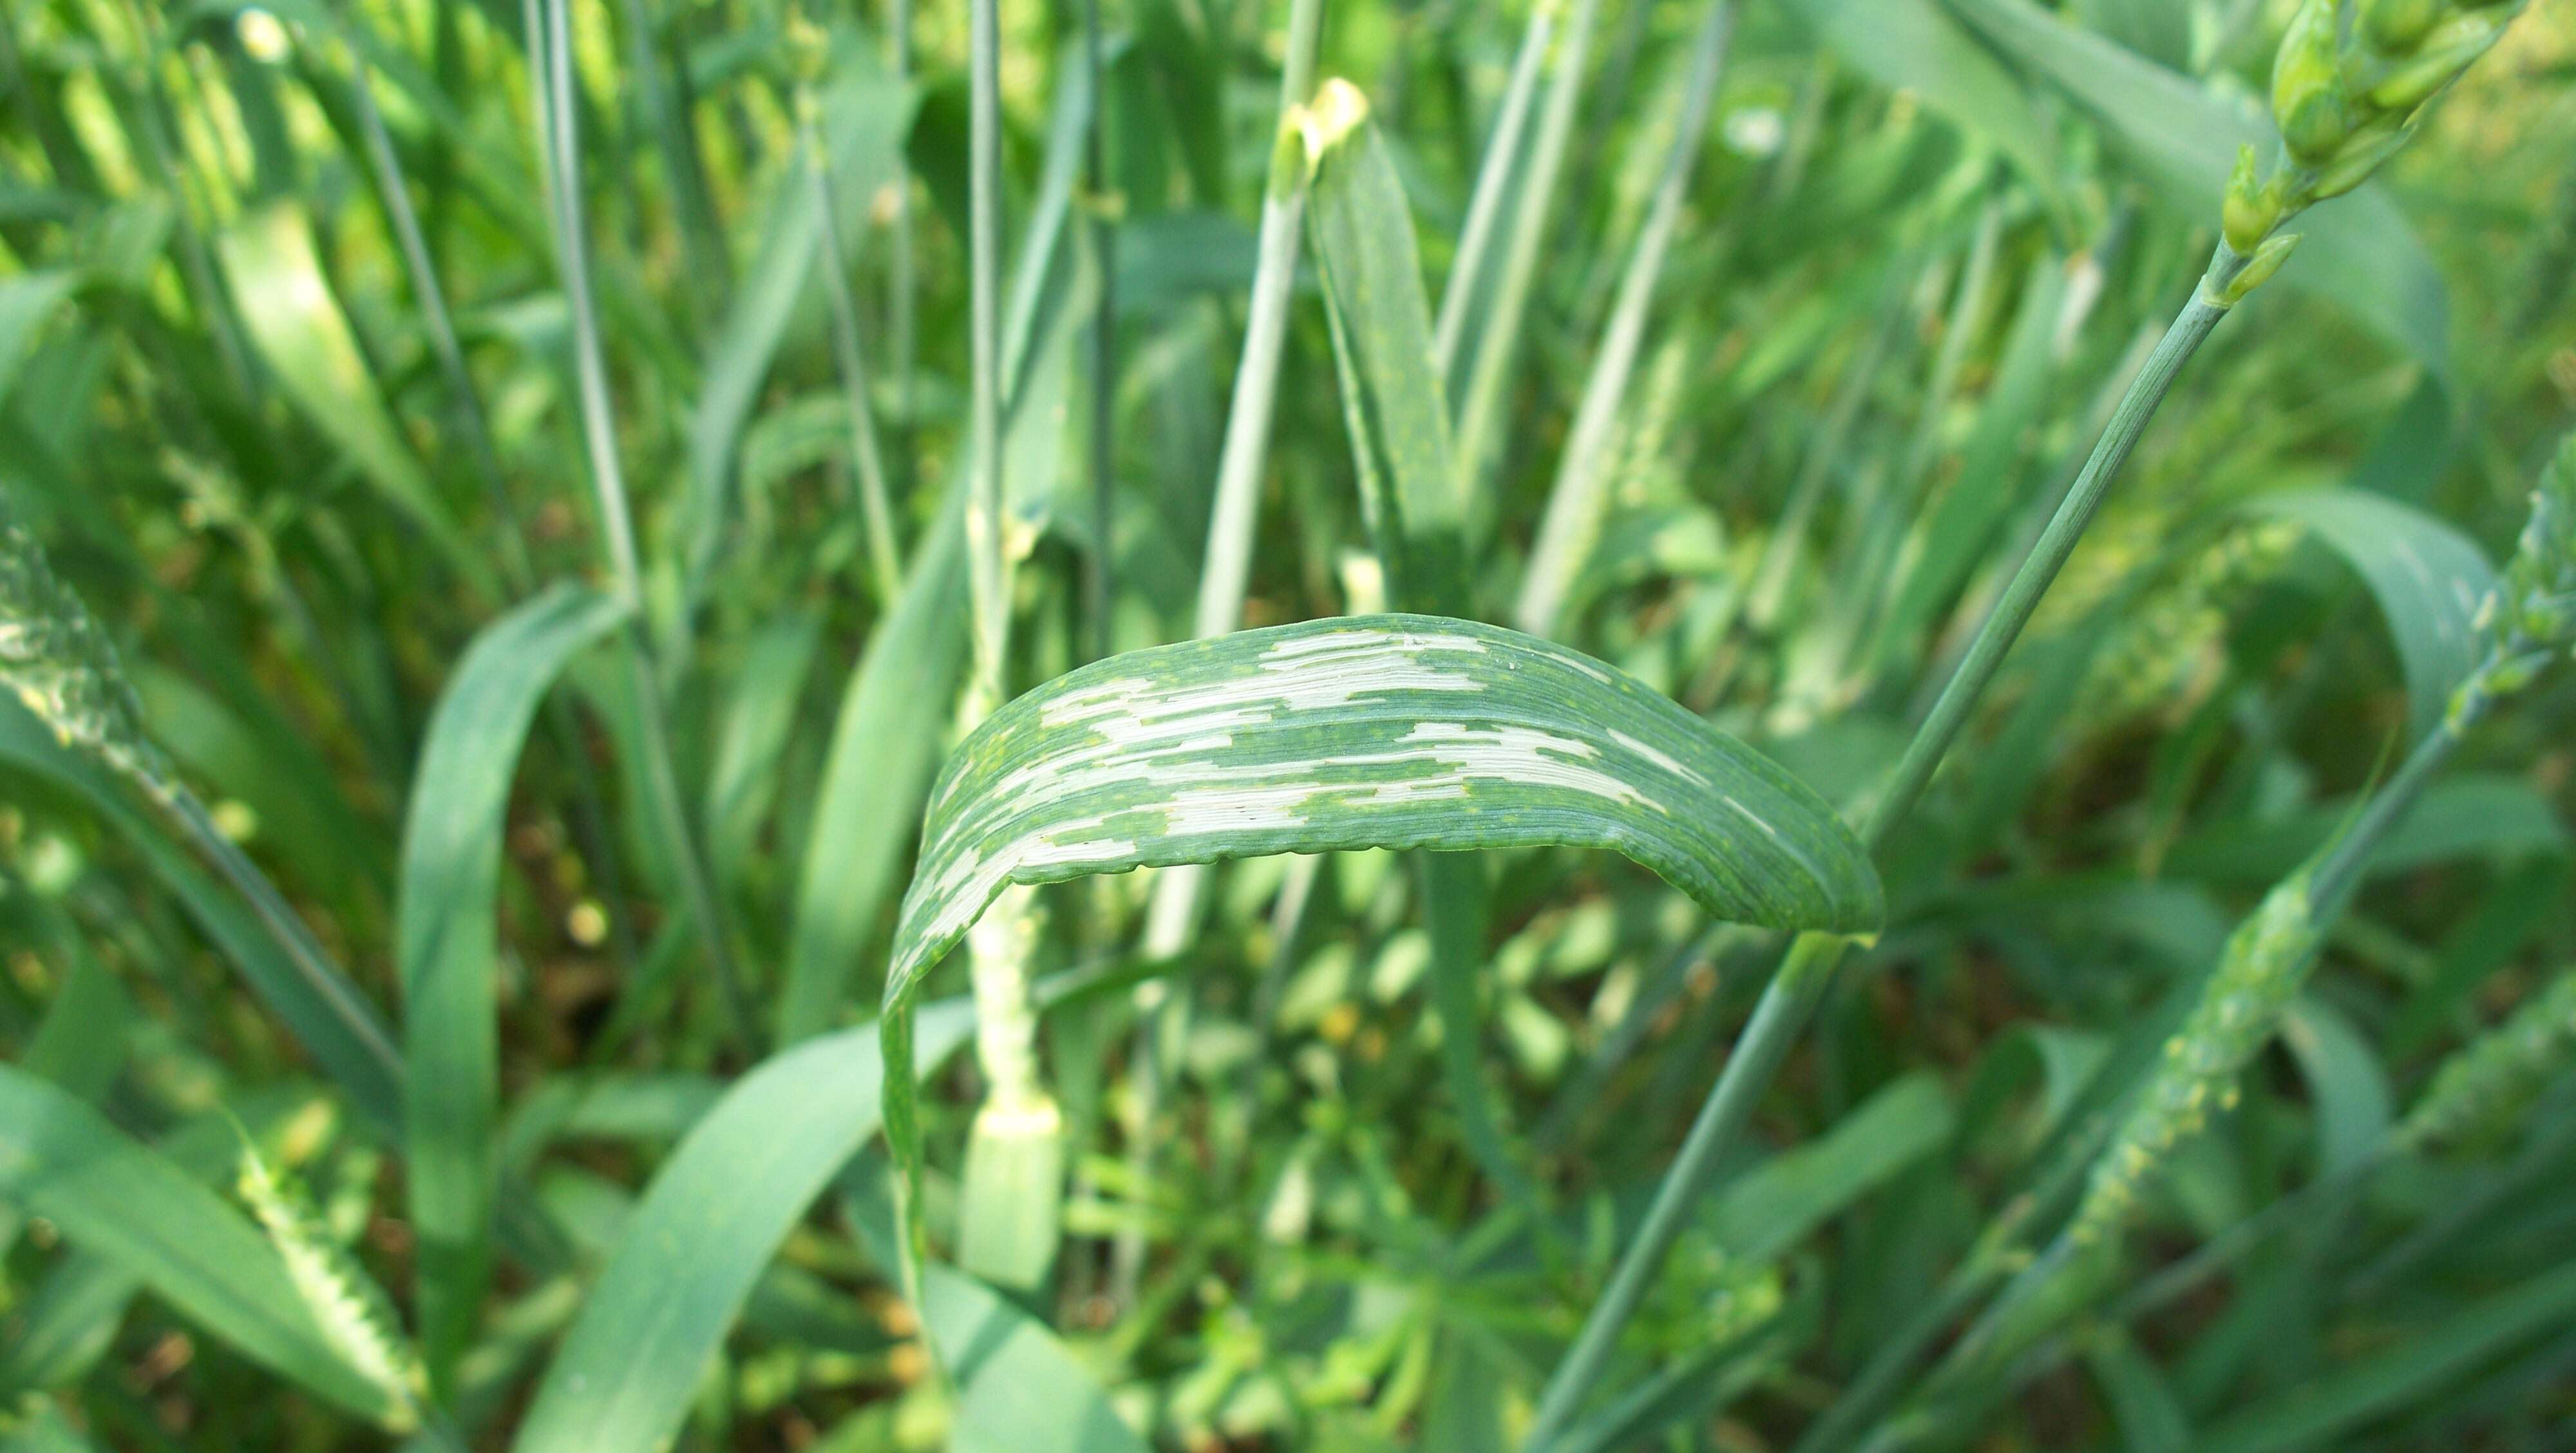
{"type": "Point", "coordinates": [1337, 110]}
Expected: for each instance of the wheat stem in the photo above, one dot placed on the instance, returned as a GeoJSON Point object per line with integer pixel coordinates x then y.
{"type": "Point", "coordinates": [1790, 999]}
{"type": "Point", "coordinates": [885, 557]}
{"type": "Point", "coordinates": [617, 528]}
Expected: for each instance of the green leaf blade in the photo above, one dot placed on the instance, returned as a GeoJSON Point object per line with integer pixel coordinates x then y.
{"type": "Point", "coordinates": [1368, 732]}
{"type": "Point", "coordinates": [66, 1162]}
{"type": "Point", "coordinates": [448, 944]}
{"type": "Point", "coordinates": [709, 1223]}
{"type": "Point", "coordinates": [2427, 577]}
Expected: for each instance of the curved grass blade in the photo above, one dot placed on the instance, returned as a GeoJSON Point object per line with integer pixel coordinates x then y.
{"type": "Point", "coordinates": [711, 1220]}
{"type": "Point", "coordinates": [1383, 353]}
{"type": "Point", "coordinates": [1362, 732]}
{"type": "Point", "coordinates": [301, 333]}
{"type": "Point", "coordinates": [448, 948]}
{"type": "Point", "coordinates": [1918, 47]}
{"type": "Point", "coordinates": [335, 1023]}
{"type": "Point", "coordinates": [65, 1162]}
{"type": "Point", "coordinates": [2427, 577]}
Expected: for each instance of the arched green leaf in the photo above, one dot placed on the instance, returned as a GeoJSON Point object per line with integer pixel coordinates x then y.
{"type": "Point", "coordinates": [1392, 731]}
{"type": "Point", "coordinates": [712, 1218]}
{"type": "Point", "coordinates": [269, 260]}
{"type": "Point", "coordinates": [2427, 577]}
{"type": "Point", "coordinates": [448, 947]}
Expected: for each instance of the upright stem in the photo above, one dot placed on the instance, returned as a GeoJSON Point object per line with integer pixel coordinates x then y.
{"type": "Point", "coordinates": [516, 564]}
{"type": "Point", "coordinates": [1479, 414]}
{"type": "Point", "coordinates": [1103, 231]}
{"type": "Point", "coordinates": [1799, 985]}
{"type": "Point", "coordinates": [899, 283]}
{"type": "Point", "coordinates": [1493, 181]}
{"type": "Point", "coordinates": [986, 567]}
{"type": "Point", "coordinates": [617, 529]}
{"type": "Point", "coordinates": [1226, 570]}
{"type": "Point", "coordinates": [1574, 502]}
{"type": "Point", "coordinates": [884, 552]}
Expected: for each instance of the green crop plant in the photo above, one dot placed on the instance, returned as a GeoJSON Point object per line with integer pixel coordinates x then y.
{"type": "Point", "coordinates": [1145, 724]}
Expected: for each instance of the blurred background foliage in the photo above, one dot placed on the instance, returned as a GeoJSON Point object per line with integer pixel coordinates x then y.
{"type": "Point", "coordinates": [1923, 243]}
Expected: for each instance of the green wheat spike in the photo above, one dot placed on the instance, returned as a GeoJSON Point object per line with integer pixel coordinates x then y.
{"type": "Point", "coordinates": [354, 1315]}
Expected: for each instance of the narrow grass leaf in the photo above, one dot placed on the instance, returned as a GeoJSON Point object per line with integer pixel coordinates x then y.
{"type": "Point", "coordinates": [712, 1218]}
{"type": "Point", "coordinates": [1394, 410]}
{"type": "Point", "coordinates": [864, 120]}
{"type": "Point", "coordinates": [447, 944]}
{"type": "Point", "coordinates": [885, 744]}
{"type": "Point", "coordinates": [301, 333]}
{"type": "Point", "coordinates": [1918, 47]}
{"type": "Point", "coordinates": [2324, 1410]}
{"type": "Point", "coordinates": [758, 719]}
{"type": "Point", "coordinates": [65, 1162]}
{"type": "Point", "coordinates": [2427, 577]}
{"type": "Point", "coordinates": [1019, 1389]}
{"type": "Point", "coordinates": [1774, 1207]}
{"type": "Point", "coordinates": [2347, 1089]}
{"type": "Point", "coordinates": [1960, 522]}
{"type": "Point", "coordinates": [1382, 350]}
{"type": "Point", "coordinates": [340, 1029]}
{"type": "Point", "coordinates": [26, 301]}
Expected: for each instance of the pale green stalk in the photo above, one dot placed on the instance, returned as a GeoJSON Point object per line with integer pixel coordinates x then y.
{"type": "Point", "coordinates": [1493, 182]}
{"type": "Point", "coordinates": [1480, 412]}
{"type": "Point", "coordinates": [989, 571]}
{"type": "Point", "coordinates": [2529, 620]}
{"type": "Point", "coordinates": [1799, 985]}
{"type": "Point", "coordinates": [1171, 916]}
{"type": "Point", "coordinates": [1013, 1188]}
{"type": "Point", "coordinates": [1224, 575]}
{"type": "Point", "coordinates": [1102, 210]}
{"type": "Point", "coordinates": [885, 557]}
{"type": "Point", "coordinates": [1573, 520]}
{"type": "Point", "coordinates": [589, 817]}
{"type": "Point", "coordinates": [675, 128]}
{"type": "Point", "coordinates": [616, 528]}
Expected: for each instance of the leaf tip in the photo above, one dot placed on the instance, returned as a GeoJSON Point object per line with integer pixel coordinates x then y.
{"type": "Point", "coordinates": [1339, 108]}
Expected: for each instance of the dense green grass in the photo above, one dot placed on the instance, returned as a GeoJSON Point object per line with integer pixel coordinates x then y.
{"type": "Point", "coordinates": [2008, 887]}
